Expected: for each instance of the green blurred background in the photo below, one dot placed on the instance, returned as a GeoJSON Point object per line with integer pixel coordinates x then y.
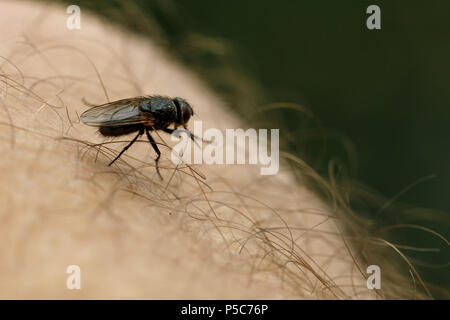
{"type": "Point", "coordinates": [382, 94]}
{"type": "Point", "coordinates": [387, 90]}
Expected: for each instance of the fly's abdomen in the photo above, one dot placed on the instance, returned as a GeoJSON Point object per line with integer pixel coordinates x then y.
{"type": "Point", "coordinates": [114, 131]}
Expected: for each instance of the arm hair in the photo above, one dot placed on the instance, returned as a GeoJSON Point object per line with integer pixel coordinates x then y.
{"type": "Point", "coordinates": [235, 235]}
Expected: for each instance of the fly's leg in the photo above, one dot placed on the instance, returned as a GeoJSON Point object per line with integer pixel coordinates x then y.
{"type": "Point", "coordinates": [155, 147]}
{"type": "Point", "coordinates": [191, 135]}
{"type": "Point", "coordinates": [126, 148]}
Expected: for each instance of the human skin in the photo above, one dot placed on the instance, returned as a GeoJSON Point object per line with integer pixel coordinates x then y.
{"type": "Point", "coordinates": [235, 235]}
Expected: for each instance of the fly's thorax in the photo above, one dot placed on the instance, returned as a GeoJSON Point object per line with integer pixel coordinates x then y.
{"type": "Point", "coordinates": [161, 110]}
{"type": "Point", "coordinates": [157, 104]}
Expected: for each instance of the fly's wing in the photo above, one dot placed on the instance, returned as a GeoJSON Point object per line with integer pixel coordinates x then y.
{"type": "Point", "coordinates": [117, 113]}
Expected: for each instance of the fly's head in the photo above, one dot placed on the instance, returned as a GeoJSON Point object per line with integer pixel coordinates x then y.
{"type": "Point", "coordinates": [184, 111]}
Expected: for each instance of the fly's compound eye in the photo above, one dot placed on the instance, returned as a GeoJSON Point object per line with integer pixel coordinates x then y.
{"type": "Point", "coordinates": [184, 110]}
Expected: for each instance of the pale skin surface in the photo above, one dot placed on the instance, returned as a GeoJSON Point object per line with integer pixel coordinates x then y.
{"type": "Point", "coordinates": [133, 235]}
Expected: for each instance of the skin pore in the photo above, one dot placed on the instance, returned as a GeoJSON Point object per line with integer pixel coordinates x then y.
{"type": "Point", "coordinates": [237, 234]}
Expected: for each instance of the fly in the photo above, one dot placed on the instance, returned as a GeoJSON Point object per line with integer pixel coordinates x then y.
{"type": "Point", "coordinates": [140, 114]}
